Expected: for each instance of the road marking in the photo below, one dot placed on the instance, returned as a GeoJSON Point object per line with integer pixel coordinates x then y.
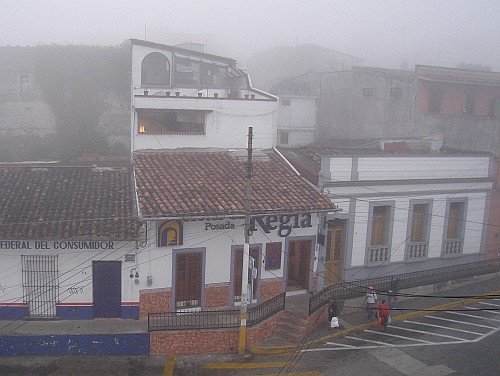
{"type": "Point", "coordinates": [168, 370]}
{"type": "Point", "coordinates": [370, 341]}
{"type": "Point", "coordinates": [462, 322]}
{"type": "Point", "coordinates": [341, 345]}
{"type": "Point", "coordinates": [490, 310]}
{"type": "Point", "coordinates": [490, 304]}
{"type": "Point", "coordinates": [396, 336]}
{"type": "Point", "coordinates": [429, 333]}
{"type": "Point", "coordinates": [443, 327]}
{"type": "Point", "coordinates": [473, 316]}
{"type": "Point", "coordinates": [249, 365]}
{"type": "Point", "coordinates": [407, 364]}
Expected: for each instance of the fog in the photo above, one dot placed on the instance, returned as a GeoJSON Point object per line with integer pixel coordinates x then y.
{"type": "Point", "coordinates": [389, 34]}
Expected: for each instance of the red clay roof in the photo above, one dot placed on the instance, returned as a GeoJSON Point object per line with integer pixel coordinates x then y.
{"type": "Point", "coordinates": [66, 202]}
{"type": "Point", "coordinates": [213, 184]}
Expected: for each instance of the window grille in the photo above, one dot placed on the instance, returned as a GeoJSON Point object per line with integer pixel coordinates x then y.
{"type": "Point", "coordinates": [40, 285]}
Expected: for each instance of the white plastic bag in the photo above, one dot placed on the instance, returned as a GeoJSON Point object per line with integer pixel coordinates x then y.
{"type": "Point", "coordinates": [334, 323]}
{"type": "Point", "coordinates": [389, 320]}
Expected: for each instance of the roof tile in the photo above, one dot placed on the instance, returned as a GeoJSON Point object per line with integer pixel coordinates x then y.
{"type": "Point", "coordinates": [66, 202]}
{"type": "Point", "coordinates": [213, 183]}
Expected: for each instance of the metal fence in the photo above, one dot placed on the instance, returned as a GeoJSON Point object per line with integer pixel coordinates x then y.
{"type": "Point", "coordinates": [266, 309]}
{"type": "Point", "coordinates": [215, 319]}
{"type": "Point", "coordinates": [357, 288]}
{"type": "Point", "coordinates": [194, 320]}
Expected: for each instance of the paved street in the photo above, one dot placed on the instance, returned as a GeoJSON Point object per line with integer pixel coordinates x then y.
{"type": "Point", "coordinates": [466, 324]}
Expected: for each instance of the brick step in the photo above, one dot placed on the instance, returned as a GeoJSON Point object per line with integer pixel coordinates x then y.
{"type": "Point", "coordinates": [293, 321]}
{"type": "Point", "coordinates": [291, 327]}
{"type": "Point", "coordinates": [287, 335]}
{"type": "Point", "coordinates": [295, 331]}
{"type": "Point", "coordinates": [295, 317]}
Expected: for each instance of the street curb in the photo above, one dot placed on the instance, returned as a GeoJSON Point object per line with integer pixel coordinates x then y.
{"type": "Point", "coordinates": [294, 349]}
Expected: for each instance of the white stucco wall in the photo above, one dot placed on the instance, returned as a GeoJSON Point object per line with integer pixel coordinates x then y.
{"type": "Point", "coordinates": [74, 271]}
{"type": "Point", "coordinates": [298, 119]}
{"type": "Point", "coordinates": [227, 120]}
{"type": "Point", "coordinates": [218, 245]}
{"type": "Point", "coordinates": [227, 124]}
{"type": "Point", "coordinates": [433, 179]}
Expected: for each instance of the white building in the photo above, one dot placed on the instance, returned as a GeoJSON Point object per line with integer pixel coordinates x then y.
{"type": "Point", "coordinates": [187, 99]}
{"type": "Point", "coordinates": [68, 243]}
{"type": "Point", "coordinates": [194, 207]}
{"type": "Point", "coordinates": [190, 117]}
{"type": "Point", "coordinates": [402, 211]}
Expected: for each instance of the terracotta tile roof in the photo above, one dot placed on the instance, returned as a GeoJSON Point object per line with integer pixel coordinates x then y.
{"type": "Point", "coordinates": [66, 202]}
{"type": "Point", "coordinates": [213, 183]}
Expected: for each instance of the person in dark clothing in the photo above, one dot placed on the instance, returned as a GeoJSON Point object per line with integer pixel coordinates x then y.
{"type": "Point", "coordinates": [383, 312]}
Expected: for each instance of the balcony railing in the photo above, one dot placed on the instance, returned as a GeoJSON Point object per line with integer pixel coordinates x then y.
{"type": "Point", "coordinates": [452, 247]}
{"type": "Point", "coordinates": [417, 251]}
{"type": "Point", "coordinates": [377, 255]}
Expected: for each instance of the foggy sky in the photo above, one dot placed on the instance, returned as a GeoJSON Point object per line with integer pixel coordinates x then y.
{"type": "Point", "coordinates": [385, 33]}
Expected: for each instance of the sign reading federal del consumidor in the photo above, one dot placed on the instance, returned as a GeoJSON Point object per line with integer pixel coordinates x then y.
{"type": "Point", "coordinates": [61, 244]}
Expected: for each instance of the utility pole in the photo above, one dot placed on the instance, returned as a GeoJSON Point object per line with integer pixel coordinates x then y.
{"type": "Point", "coordinates": [246, 250]}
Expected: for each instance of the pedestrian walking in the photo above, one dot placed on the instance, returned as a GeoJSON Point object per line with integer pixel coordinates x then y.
{"type": "Point", "coordinates": [383, 315]}
{"type": "Point", "coordinates": [392, 299]}
{"type": "Point", "coordinates": [370, 301]}
{"type": "Point", "coordinates": [392, 294]}
{"type": "Point", "coordinates": [332, 314]}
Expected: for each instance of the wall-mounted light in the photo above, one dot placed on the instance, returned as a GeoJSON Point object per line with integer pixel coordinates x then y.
{"type": "Point", "coordinates": [134, 275]}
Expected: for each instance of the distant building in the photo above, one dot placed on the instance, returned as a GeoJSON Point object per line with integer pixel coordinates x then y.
{"type": "Point", "coordinates": [297, 120]}
{"type": "Point", "coordinates": [462, 105]}
{"type": "Point", "coordinates": [28, 123]}
{"type": "Point", "coordinates": [459, 105]}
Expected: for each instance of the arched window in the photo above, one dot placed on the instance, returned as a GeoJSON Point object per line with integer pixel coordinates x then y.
{"type": "Point", "coordinates": [155, 70]}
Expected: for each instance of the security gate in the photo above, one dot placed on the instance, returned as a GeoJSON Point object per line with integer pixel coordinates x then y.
{"type": "Point", "coordinates": [40, 285]}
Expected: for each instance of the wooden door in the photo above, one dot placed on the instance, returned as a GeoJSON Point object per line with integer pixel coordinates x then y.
{"type": "Point", "coordinates": [107, 288]}
{"type": "Point", "coordinates": [305, 263]}
{"type": "Point", "coordinates": [334, 254]}
{"type": "Point", "coordinates": [188, 280]}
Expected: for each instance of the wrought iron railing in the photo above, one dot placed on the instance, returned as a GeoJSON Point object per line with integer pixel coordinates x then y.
{"type": "Point", "coordinates": [194, 320]}
{"type": "Point", "coordinates": [357, 288]}
{"type": "Point", "coordinates": [265, 309]}
{"type": "Point", "coordinates": [215, 319]}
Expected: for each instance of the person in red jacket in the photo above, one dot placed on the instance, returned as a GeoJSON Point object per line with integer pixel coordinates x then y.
{"type": "Point", "coordinates": [383, 312]}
